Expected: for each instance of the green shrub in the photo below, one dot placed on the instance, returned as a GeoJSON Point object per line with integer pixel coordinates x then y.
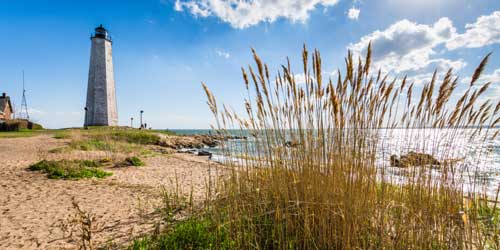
{"type": "Point", "coordinates": [134, 161]}
{"type": "Point", "coordinates": [91, 144]}
{"type": "Point", "coordinates": [18, 125]}
{"type": "Point", "coordinates": [16, 134]}
{"type": "Point", "coordinates": [137, 137]}
{"type": "Point", "coordinates": [65, 169]}
{"type": "Point", "coordinates": [62, 135]}
{"type": "Point", "coordinates": [193, 233]}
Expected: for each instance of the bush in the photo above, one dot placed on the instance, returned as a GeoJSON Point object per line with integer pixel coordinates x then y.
{"type": "Point", "coordinates": [92, 144]}
{"type": "Point", "coordinates": [134, 161]}
{"type": "Point", "coordinates": [128, 136]}
{"type": "Point", "coordinates": [18, 125]}
{"type": "Point", "coordinates": [65, 169]}
{"type": "Point", "coordinates": [137, 137]}
{"type": "Point", "coordinates": [193, 233]}
{"type": "Point", "coordinates": [64, 134]}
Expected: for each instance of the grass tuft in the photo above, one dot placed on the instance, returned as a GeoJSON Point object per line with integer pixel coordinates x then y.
{"type": "Point", "coordinates": [63, 134]}
{"type": "Point", "coordinates": [73, 170]}
{"type": "Point", "coordinates": [91, 145]}
{"type": "Point", "coordinates": [134, 161]}
{"type": "Point", "coordinates": [193, 233]}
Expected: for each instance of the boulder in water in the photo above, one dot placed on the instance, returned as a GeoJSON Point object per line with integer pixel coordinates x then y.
{"type": "Point", "coordinates": [204, 153]}
{"type": "Point", "coordinates": [413, 159]}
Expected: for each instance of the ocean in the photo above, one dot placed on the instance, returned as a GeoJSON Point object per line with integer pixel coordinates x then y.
{"type": "Point", "coordinates": [479, 155]}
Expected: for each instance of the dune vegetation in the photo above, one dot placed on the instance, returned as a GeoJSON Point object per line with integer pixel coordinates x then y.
{"type": "Point", "coordinates": [311, 179]}
{"type": "Point", "coordinates": [72, 170]}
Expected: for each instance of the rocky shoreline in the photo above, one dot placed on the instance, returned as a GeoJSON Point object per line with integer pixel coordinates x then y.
{"type": "Point", "coordinates": [194, 141]}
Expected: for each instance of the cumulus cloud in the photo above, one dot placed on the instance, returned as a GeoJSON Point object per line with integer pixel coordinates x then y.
{"type": "Point", "coordinates": [222, 53]}
{"type": "Point", "coordinates": [196, 8]}
{"type": "Point", "coordinates": [243, 14]}
{"type": "Point", "coordinates": [408, 46]}
{"type": "Point", "coordinates": [353, 13]}
{"type": "Point", "coordinates": [485, 31]}
{"type": "Point", "coordinates": [494, 78]}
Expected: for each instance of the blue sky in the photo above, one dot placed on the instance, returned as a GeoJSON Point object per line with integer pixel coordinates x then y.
{"type": "Point", "coordinates": [163, 49]}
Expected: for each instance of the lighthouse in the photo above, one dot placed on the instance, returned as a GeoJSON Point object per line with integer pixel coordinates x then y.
{"type": "Point", "coordinates": [101, 99]}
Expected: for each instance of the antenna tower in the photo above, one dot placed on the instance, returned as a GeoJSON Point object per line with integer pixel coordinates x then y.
{"type": "Point", "coordinates": [24, 105]}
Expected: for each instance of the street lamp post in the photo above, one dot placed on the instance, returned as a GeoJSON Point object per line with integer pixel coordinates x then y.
{"type": "Point", "coordinates": [85, 122]}
{"type": "Point", "coordinates": [142, 111]}
{"type": "Point", "coordinates": [132, 122]}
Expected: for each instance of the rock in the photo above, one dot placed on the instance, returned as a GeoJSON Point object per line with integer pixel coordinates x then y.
{"type": "Point", "coordinates": [395, 161]}
{"type": "Point", "coordinates": [204, 153]}
{"type": "Point", "coordinates": [193, 141]}
{"type": "Point", "coordinates": [413, 159]}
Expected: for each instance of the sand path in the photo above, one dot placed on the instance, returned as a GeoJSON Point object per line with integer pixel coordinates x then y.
{"type": "Point", "coordinates": [34, 209]}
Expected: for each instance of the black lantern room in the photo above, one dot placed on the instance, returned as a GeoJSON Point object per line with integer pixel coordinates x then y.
{"type": "Point", "coordinates": [101, 32]}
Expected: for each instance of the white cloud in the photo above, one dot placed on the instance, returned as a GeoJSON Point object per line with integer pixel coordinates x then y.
{"type": "Point", "coordinates": [353, 13]}
{"type": "Point", "coordinates": [485, 31]}
{"type": "Point", "coordinates": [494, 78]}
{"type": "Point", "coordinates": [243, 14]}
{"type": "Point", "coordinates": [421, 79]}
{"type": "Point", "coordinates": [197, 9]}
{"type": "Point", "coordinates": [407, 46]}
{"type": "Point", "coordinates": [300, 78]}
{"type": "Point", "coordinates": [222, 53]}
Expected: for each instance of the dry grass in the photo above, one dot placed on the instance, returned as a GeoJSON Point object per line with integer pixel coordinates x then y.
{"type": "Point", "coordinates": [327, 191]}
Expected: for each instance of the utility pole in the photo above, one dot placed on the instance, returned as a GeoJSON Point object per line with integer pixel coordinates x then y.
{"type": "Point", "coordinates": [85, 126]}
{"type": "Point", "coordinates": [142, 111]}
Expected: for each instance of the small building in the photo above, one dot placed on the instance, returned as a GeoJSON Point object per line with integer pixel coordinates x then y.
{"type": "Point", "coordinates": [6, 109]}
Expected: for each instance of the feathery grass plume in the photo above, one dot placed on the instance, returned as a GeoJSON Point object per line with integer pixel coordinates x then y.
{"type": "Point", "coordinates": [368, 59]}
{"type": "Point", "coordinates": [245, 77]}
{"type": "Point", "coordinates": [497, 108]}
{"type": "Point", "coordinates": [480, 69]}
{"type": "Point", "coordinates": [212, 103]}
{"type": "Point", "coordinates": [444, 92]}
{"type": "Point", "coordinates": [317, 175]}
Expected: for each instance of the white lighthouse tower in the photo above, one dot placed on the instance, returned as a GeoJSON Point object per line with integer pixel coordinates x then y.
{"type": "Point", "coordinates": [101, 99]}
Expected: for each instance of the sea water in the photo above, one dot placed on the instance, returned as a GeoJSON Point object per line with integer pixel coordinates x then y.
{"type": "Point", "coordinates": [477, 154]}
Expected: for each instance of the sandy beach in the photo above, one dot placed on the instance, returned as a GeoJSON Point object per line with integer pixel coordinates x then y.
{"type": "Point", "coordinates": [35, 211]}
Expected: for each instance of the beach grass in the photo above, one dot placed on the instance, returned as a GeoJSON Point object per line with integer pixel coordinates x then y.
{"type": "Point", "coordinates": [193, 233]}
{"type": "Point", "coordinates": [72, 170]}
{"type": "Point", "coordinates": [62, 134]}
{"type": "Point", "coordinates": [113, 140]}
{"type": "Point", "coordinates": [326, 190]}
{"type": "Point", "coordinates": [134, 161]}
{"type": "Point", "coordinates": [21, 133]}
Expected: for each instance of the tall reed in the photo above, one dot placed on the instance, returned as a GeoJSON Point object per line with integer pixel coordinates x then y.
{"type": "Point", "coordinates": [316, 172]}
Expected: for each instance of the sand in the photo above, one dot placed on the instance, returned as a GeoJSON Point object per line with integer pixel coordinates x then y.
{"type": "Point", "coordinates": [35, 212]}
